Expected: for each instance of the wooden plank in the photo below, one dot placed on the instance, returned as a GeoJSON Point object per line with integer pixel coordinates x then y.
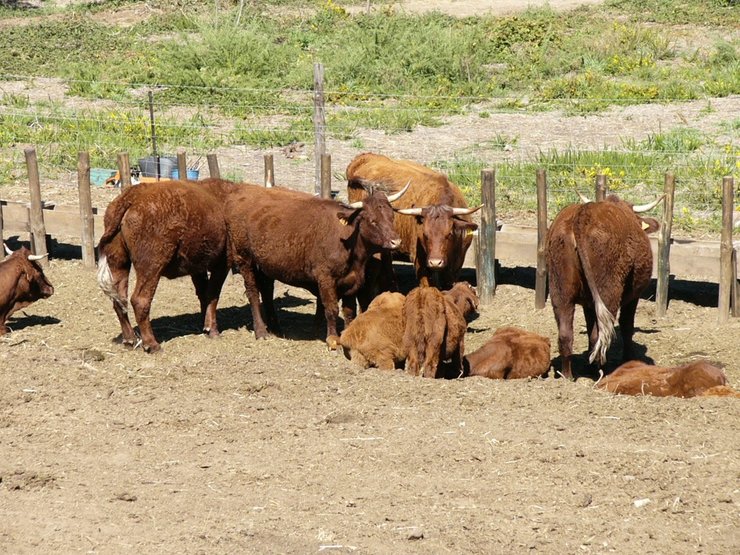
{"type": "Point", "coordinates": [664, 246]}
{"type": "Point", "coordinates": [725, 250]}
{"type": "Point", "coordinates": [540, 287]}
{"type": "Point", "coordinates": [486, 247]}
{"type": "Point", "coordinates": [36, 212]}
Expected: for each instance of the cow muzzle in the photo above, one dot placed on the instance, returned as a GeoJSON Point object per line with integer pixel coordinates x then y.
{"type": "Point", "coordinates": [394, 244]}
{"type": "Point", "coordinates": [436, 263]}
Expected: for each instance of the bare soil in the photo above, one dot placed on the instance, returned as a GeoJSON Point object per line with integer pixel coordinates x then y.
{"type": "Point", "coordinates": [234, 445]}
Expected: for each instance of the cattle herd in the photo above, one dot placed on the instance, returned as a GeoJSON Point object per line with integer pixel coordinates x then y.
{"type": "Point", "coordinates": [598, 257]}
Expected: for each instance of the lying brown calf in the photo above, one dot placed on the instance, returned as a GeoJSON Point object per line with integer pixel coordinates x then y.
{"type": "Point", "coordinates": [375, 337]}
{"type": "Point", "coordinates": [637, 378]}
{"type": "Point", "coordinates": [511, 353]}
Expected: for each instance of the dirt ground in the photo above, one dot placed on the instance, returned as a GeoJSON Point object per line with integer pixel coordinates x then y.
{"type": "Point", "coordinates": [237, 446]}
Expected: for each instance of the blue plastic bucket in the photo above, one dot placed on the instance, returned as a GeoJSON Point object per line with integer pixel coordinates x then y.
{"type": "Point", "coordinates": [192, 174]}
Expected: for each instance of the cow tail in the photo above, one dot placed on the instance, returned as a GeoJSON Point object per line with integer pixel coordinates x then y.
{"type": "Point", "coordinates": [113, 226]}
{"type": "Point", "coordinates": [605, 320]}
{"type": "Point", "coordinates": [105, 282]}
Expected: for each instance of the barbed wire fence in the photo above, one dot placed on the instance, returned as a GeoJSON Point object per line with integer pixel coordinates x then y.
{"type": "Point", "coordinates": [243, 124]}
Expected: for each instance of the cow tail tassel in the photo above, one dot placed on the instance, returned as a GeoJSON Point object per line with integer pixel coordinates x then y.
{"type": "Point", "coordinates": [605, 323]}
{"type": "Point", "coordinates": [105, 281]}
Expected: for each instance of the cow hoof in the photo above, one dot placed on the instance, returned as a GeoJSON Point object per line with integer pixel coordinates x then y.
{"type": "Point", "coordinates": [332, 342]}
{"type": "Point", "coordinates": [212, 332]}
{"type": "Point", "coordinates": [151, 349]}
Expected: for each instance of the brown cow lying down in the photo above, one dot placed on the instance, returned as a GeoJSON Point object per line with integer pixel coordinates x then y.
{"type": "Point", "coordinates": [22, 281]}
{"type": "Point", "coordinates": [375, 337]}
{"type": "Point", "coordinates": [434, 332]}
{"type": "Point", "coordinates": [511, 353]}
{"type": "Point", "coordinates": [637, 378]}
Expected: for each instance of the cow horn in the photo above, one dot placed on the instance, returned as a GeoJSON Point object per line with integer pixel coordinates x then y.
{"type": "Point", "coordinates": [37, 256]}
{"type": "Point", "coordinates": [395, 196]}
{"type": "Point", "coordinates": [410, 211]}
{"type": "Point", "coordinates": [465, 211]}
{"type": "Point", "coordinates": [649, 206]}
{"type": "Point", "coordinates": [356, 205]}
{"type": "Point", "coordinates": [583, 197]}
{"type": "Point", "coordinates": [7, 250]}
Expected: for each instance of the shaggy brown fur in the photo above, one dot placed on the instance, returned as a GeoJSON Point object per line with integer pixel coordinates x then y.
{"type": "Point", "coordinates": [434, 331]}
{"type": "Point", "coordinates": [511, 353]}
{"type": "Point", "coordinates": [598, 256]}
{"type": "Point", "coordinates": [170, 229]}
{"type": "Point", "coordinates": [375, 338]}
{"type": "Point", "coordinates": [638, 378]}
{"type": "Point", "coordinates": [22, 281]}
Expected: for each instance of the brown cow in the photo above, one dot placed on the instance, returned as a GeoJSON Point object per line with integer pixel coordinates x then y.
{"type": "Point", "coordinates": [170, 229]}
{"type": "Point", "coordinates": [637, 378]}
{"type": "Point", "coordinates": [434, 332]}
{"type": "Point", "coordinates": [22, 281]}
{"type": "Point", "coordinates": [437, 239]}
{"type": "Point", "coordinates": [464, 296]}
{"type": "Point", "coordinates": [375, 338]}
{"type": "Point", "coordinates": [511, 353]}
{"type": "Point", "coordinates": [598, 256]}
{"type": "Point", "coordinates": [318, 244]}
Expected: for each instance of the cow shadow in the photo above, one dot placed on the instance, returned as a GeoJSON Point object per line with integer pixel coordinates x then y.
{"type": "Point", "coordinates": [16, 323]}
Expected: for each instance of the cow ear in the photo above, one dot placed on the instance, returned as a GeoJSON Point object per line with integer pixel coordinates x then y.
{"type": "Point", "coordinates": [347, 215]}
{"type": "Point", "coordinates": [649, 225]}
{"type": "Point", "coordinates": [465, 227]}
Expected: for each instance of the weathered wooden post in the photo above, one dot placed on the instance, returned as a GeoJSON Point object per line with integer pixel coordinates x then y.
{"type": "Point", "coordinates": [326, 176]}
{"type": "Point", "coordinates": [735, 287]}
{"type": "Point", "coordinates": [213, 169]}
{"type": "Point", "coordinates": [601, 187]}
{"type": "Point", "coordinates": [86, 215]}
{"type": "Point", "coordinates": [36, 213]}
{"type": "Point", "coordinates": [182, 165]}
{"type": "Point", "coordinates": [725, 250]}
{"type": "Point", "coordinates": [664, 246]}
{"type": "Point", "coordinates": [486, 247]}
{"type": "Point", "coordinates": [269, 171]}
{"type": "Point", "coordinates": [124, 170]}
{"type": "Point", "coordinates": [540, 286]}
{"type": "Point", "coordinates": [1, 228]}
{"type": "Point", "coordinates": [319, 121]}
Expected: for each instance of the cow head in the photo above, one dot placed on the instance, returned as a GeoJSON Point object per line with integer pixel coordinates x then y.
{"type": "Point", "coordinates": [649, 225]}
{"type": "Point", "coordinates": [465, 297]}
{"type": "Point", "coordinates": [441, 230]}
{"type": "Point", "coordinates": [374, 218]}
{"type": "Point", "coordinates": [34, 283]}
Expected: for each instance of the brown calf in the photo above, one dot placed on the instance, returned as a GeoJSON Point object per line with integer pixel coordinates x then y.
{"type": "Point", "coordinates": [638, 378]}
{"type": "Point", "coordinates": [22, 281]}
{"type": "Point", "coordinates": [512, 353]}
{"type": "Point", "coordinates": [434, 331]}
{"type": "Point", "coordinates": [375, 338]}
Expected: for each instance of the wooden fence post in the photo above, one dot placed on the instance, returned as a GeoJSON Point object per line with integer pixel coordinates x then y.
{"type": "Point", "coordinates": [86, 215]}
{"type": "Point", "coordinates": [486, 248]}
{"type": "Point", "coordinates": [36, 213]}
{"type": "Point", "coordinates": [326, 176]}
{"type": "Point", "coordinates": [664, 246]}
{"type": "Point", "coordinates": [124, 170]}
{"type": "Point", "coordinates": [269, 171]}
{"type": "Point", "coordinates": [2, 239]}
{"type": "Point", "coordinates": [213, 169]}
{"type": "Point", "coordinates": [182, 165]}
{"type": "Point", "coordinates": [540, 287]}
{"type": "Point", "coordinates": [319, 121]}
{"type": "Point", "coordinates": [725, 250]}
{"type": "Point", "coordinates": [601, 187]}
{"type": "Point", "coordinates": [735, 287]}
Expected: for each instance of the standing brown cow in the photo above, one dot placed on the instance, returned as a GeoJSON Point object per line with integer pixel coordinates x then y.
{"type": "Point", "coordinates": [170, 229]}
{"type": "Point", "coordinates": [598, 256]}
{"type": "Point", "coordinates": [318, 244]}
{"type": "Point", "coordinates": [439, 235]}
{"type": "Point", "coordinates": [22, 281]}
{"type": "Point", "coordinates": [434, 332]}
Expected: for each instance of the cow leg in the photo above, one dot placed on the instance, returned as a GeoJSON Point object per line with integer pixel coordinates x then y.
{"type": "Point", "coordinates": [141, 301]}
{"type": "Point", "coordinates": [253, 294]}
{"type": "Point", "coordinates": [627, 329]}
{"type": "Point", "coordinates": [564, 319]}
{"type": "Point", "coordinates": [213, 293]}
{"type": "Point", "coordinates": [592, 329]}
{"type": "Point", "coordinates": [432, 352]}
{"type": "Point", "coordinates": [120, 305]}
{"type": "Point", "coordinates": [267, 292]}
{"type": "Point", "coordinates": [349, 309]}
{"type": "Point", "coordinates": [200, 282]}
{"type": "Point", "coordinates": [328, 298]}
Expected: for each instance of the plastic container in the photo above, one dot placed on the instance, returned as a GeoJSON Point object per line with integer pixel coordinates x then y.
{"type": "Point", "coordinates": [192, 174]}
{"type": "Point", "coordinates": [98, 176]}
{"type": "Point", "coordinates": [148, 166]}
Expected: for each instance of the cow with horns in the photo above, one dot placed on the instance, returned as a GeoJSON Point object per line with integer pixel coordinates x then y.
{"type": "Point", "coordinates": [437, 237]}
{"type": "Point", "coordinates": [599, 256]}
{"type": "Point", "coordinates": [22, 281]}
{"type": "Point", "coordinates": [318, 244]}
{"type": "Point", "coordinates": [168, 229]}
